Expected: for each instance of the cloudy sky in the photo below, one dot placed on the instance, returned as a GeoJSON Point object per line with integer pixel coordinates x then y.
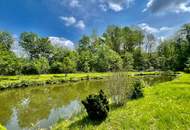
{"type": "Point", "coordinates": [67, 20]}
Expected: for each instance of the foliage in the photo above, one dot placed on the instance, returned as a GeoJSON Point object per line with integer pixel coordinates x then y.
{"type": "Point", "coordinates": [97, 106]}
{"type": "Point", "coordinates": [107, 60]}
{"type": "Point", "coordinates": [35, 46]}
{"type": "Point", "coordinates": [119, 88]}
{"type": "Point", "coordinates": [128, 61]}
{"type": "Point", "coordinates": [6, 40]}
{"type": "Point", "coordinates": [9, 63]}
{"type": "Point", "coordinates": [29, 68]}
{"type": "Point", "coordinates": [137, 89]}
{"type": "Point", "coordinates": [168, 101]}
{"type": "Point", "coordinates": [41, 65]}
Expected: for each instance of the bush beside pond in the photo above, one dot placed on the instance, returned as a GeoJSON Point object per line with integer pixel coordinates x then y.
{"type": "Point", "coordinates": [97, 106]}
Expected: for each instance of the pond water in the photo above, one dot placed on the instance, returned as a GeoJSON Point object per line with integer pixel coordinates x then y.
{"type": "Point", "coordinates": [41, 107]}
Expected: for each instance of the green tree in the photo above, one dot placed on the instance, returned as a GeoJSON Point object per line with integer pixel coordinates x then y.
{"type": "Point", "coordinates": [107, 60]}
{"type": "Point", "coordinates": [42, 65]}
{"type": "Point", "coordinates": [35, 46]}
{"type": "Point", "coordinates": [9, 63]}
{"type": "Point", "coordinates": [128, 61]}
{"type": "Point", "coordinates": [6, 40]}
{"type": "Point", "coordinates": [63, 60]}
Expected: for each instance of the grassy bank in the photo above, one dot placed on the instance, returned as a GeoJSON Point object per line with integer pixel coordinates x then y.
{"type": "Point", "coordinates": [46, 79]}
{"type": "Point", "coordinates": [165, 106]}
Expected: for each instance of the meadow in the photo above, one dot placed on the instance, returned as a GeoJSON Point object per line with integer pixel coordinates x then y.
{"type": "Point", "coordinates": [164, 106]}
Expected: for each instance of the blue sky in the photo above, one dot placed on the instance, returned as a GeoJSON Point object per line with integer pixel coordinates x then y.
{"type": "Point", "coordinates": [68, 20]}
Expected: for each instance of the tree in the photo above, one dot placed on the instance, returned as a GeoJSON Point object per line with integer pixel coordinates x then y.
{"type": "Point", "coordinates": [128, 61]}
{"type": "Point", "coordinates": [86, 61]}
{"type": "Point", "coordinates": [41, 65]}
{"type": "Point", "coordinates": [9, 63]}
{"type": "Point", "coordinates": [84, 44]}
{"type": "Point", "coordinates": [167, 52]}
{"type": "Point", "coordinates": [6, 40]}
{"type": "Point", "coordinates": [113, 38]}
{"type": "Point", "coordinates": [63, 60]}
{"type": "Point", "coordinates": [107, 60]}
{"type": "Point", "coordinates": [35, 46]}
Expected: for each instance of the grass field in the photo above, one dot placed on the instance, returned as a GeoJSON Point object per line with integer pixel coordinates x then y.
{"type": "Point", "coordinates": [166, 106]}
{"type": "Point", "coordinates": [46, 79]}
{"type": "Point", "coordinates": [40, 80]}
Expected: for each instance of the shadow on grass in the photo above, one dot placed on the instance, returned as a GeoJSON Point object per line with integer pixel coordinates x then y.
{"type": "Point", "coordinates": [84, 123]}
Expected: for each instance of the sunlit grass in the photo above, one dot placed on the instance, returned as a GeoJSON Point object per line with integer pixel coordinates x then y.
{"type": "Point", "coordinates": [165, 106]}
{"type": "Point", "coordinates": [36, 80]}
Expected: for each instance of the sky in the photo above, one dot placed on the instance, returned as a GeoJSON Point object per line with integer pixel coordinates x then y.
{"type": "Point", "coordinates": [65, 21]}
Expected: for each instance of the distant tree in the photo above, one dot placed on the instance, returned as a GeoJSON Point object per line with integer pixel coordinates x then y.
{"type": "Point", "coordinates": [9, 63]}
{"type": "Point", "coordinates": [113, 38]}
{"type": "Point", "coordinates": [128, 61]}
{"type": "Point", "coordinates": [107, 60]}
{"type": "Point", "coordinates": [168, 55]}
{"type": "Point", "coordinates": [35, 46]}
{"type": "Point", "coordinates": [6, 40]}
{"type": "Point", "coordinates": [86, 61]}
{"type": "Point", "coordinates": [63, 60]}
{"type": "Point", "coordinates": [84, 44]}
{"type": "Point", "coordinates": [42, 65]}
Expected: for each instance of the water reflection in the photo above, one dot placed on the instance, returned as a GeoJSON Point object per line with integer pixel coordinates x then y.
{"type": "Point", "coordinates": [65, 112]}
{"type": "Point", "coordinates": [40, 107]}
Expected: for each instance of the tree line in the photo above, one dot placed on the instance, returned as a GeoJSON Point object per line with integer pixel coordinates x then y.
{"type": "Point", "coordinates": [118, 48]}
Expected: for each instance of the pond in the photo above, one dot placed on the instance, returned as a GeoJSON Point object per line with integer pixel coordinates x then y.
{"type": "Point", "coordinates": [41, 107]}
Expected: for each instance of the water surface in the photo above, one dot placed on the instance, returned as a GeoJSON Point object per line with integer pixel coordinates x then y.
{"type": "Point", "coordinates": [40, 107]}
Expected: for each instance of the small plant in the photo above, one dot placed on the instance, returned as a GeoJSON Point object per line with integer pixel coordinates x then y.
{"type": "Point", "coordinates": [97, 106]}
{"type": "Point", "coordinates": [137, 89]}
{"type": "Point", "coordinates": [119, 88]}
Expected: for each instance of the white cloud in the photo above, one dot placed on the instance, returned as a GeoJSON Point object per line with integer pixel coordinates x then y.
{"type": "Point", "coordinates": [68, 20]}
{"type": "Point", "coordinates": [74, 3]}
{"type": "Point", "coordinates": [147, 28]}
{"type": "Point", "coordinates": [61, 41]}
{"type": "Point", "coordinates": [162, 6]}
{"type": "Point", "coordinates": [161, 32]}
{"type": "Point", "coordinates": [72, 21]}
{"type": "Point", "coordinates": [80, 24]}
{"type": "Point", "coordinates": [150, 29]}
{"type": "Point", "coordinates": [115, 7]}
{"type": "Point", "coordinates": [166, 29]}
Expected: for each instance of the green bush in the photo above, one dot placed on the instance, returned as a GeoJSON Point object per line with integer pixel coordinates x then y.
{"type": "Point", "coordinates": [97, 106]}
{"type": "Point", "coordinates": [137, 91]}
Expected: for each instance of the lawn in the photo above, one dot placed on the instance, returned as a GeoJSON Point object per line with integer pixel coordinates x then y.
{"type": "Point", "coordinates": [46, 79]}
{"type": "Point", "coordinates": [165, 106]}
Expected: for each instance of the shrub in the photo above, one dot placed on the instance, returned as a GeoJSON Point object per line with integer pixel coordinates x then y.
{"type": "Point", "coordinates": [137, 89]}
{"type": "Point", "coordinates": [29, 68]}
{"type": "Point", "coordinates": [119, 88]}
{"type": "Point", "coordinates": [97, 106]}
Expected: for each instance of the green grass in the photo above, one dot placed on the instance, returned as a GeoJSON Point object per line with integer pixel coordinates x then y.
{"type": "Point", "coordinates": [40, 80]}
{"type": "Point", "coordinates": [166, 106]}
{"type": "Point", "coordinates": [45, 79]}
{"type": "Point", "coordinates": [2, 128]}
